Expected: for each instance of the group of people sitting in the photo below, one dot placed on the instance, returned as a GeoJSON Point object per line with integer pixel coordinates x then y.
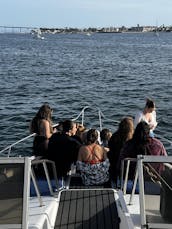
{"type": "Point", "coordinates": [97, 155]}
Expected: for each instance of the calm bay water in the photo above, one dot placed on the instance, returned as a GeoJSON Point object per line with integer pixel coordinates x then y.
{"type": "Point", "coordinates": [115, 72]}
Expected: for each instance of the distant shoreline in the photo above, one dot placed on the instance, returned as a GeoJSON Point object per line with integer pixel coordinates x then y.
{"type": "Point", "coordinates": [123, 29]}
{"type": "Point", "coordinates": [88, 31]}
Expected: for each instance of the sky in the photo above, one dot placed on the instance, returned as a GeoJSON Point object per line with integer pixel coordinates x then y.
{"type": "Point", "coordinates": [85, 13]}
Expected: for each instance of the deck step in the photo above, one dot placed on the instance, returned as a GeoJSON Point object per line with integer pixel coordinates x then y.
{"type": "Point", "coordinates": [91, 208]}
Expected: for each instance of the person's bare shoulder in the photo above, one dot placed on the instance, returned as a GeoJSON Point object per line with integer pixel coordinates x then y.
{"type": "Point", "coordinates": [45, 122]}
{"type": "Point", "coordinates": [82, 152]}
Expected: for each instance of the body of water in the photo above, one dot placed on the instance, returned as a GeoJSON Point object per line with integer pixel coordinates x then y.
{"type": "Point", "coordinates": [115, 72]}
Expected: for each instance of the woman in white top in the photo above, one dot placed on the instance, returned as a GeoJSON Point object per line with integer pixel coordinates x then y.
{"type": "Point", "coordinates": [148, 115]}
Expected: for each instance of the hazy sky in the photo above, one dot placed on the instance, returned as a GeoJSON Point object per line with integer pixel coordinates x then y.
{"type": "Point", "coordinates": [85, 13]}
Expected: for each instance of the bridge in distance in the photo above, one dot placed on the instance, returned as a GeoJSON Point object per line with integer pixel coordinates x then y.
{"type": "Point", "coordinates": [16, 29]}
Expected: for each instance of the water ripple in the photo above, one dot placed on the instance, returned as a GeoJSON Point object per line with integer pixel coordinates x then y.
{"type": "Point", "coordinates": [115, 72]}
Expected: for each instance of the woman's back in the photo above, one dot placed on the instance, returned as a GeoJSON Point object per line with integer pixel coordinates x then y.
{"type": "Point", "coordinates": [117, 141]}
{"type": "Point", "coordinates": [142, 144]}
{"type": "Point", "coordinates": [92, 161]}
{"type": "Point", "coordinates": [92, 154]}
{"type": "Point", "coordinates": [42, 126]}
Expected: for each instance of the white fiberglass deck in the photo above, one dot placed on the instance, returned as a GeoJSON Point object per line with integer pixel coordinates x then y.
{"type": "Point", "coordinates": [45, 216]}
{"type": "Point", "coordinates": [134, 210]}
{"type": "Point", "coordinates": [41, 217]}
{"type": "Point", "coordinates": [19, 210]}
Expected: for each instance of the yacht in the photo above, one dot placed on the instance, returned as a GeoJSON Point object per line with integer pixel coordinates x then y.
{"type": "Point", "coordinates": [38, 34]}
{"type": "Point", "coordinates": [31, 201]}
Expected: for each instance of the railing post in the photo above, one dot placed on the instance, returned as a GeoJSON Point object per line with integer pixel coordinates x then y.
{"type": "Point", "coordinates": [47, 177]}
{"type": "Point", "coordinates": [83, 118]}
{"type": "Point", "coordinates": [141, 191]}
{"type": "Point", "coordinates": [9, 151]}
{"type": "Point", "coordinates": [36, 187]}
{"type": "Point", "coordinates": [134, 187]}
{"type": "Point", "coordinates": [100, 120]}
{"type": "Point", "coordinates": [122, 175]}
{"type": "Point", "coordinates": [126, 177]}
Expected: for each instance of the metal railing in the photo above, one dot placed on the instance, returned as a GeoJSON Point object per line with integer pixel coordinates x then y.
{"type": "Point", "coordinates": [124, 179]}
{"type": "Point", "coordinates": [81, 115]}
{"type": "Point", "coordinates": [44, 163]}
{"type": "Point", "coordinates": [141, 160]}
{"type": "Point", "coordinates": [15, 143]}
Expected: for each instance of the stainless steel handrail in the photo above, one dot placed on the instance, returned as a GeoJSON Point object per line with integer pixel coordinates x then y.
{"type": "Point", "coordinates": [44, 163]}
{"type": "Point", "coordinates": [15, 143]}
{"type": "Point", "coordinates": [82, 113]}
{"type": "Point", "coordinates": [124, 184]}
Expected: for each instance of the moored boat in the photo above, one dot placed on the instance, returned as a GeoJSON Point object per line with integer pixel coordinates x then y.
{"type": "Point", "coordinates": [38, 34]}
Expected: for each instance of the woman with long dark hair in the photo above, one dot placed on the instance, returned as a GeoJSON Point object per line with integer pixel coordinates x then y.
{"type": "Point", "coordinates": [119, 138]}
{"type": "Point", "coordinates": [142, 144]}
{"type": "Point", "coordinates": [41, 124]}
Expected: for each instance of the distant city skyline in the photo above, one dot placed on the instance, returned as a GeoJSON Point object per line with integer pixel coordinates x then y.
{"type": "Point", "coordinates": [85, 13]}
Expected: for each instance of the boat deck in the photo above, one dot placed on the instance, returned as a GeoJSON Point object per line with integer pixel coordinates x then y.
{"type": "Point", "coordinates": [134, 210]}
{"type": "Point", "coordinates": [87, 209]}
{"type": "Point", "coordinates": [42, 216]}
{"type": "Point", "coordinates": [153, 215]}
